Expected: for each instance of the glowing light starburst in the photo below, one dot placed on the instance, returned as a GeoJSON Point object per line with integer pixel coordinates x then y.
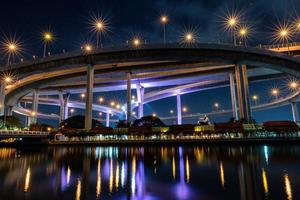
{"type": "Point", "coordinates": [189, 35]}
{"type": "Point", "coordinates": [11, 47]}
{"type": "Point", "coordinates": [100, 26]}
{"type": "Point", "coordinates": [8, 77]}
{"type": "Point", "coordinates": [282, 33]}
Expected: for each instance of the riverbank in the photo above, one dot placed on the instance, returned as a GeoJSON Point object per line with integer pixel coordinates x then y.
{"type": "Point", "coordinates": [142, 142]}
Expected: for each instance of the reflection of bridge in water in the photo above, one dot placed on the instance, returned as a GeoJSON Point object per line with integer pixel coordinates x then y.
{"type": "Point", "coordinates": [217, 171]}
{"type": "Point", "coordinates": [184, 69]}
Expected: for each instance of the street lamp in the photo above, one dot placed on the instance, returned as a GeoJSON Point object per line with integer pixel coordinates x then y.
{"type": "Point", "coordinates": [47, 38]}
{"type": "Point", "coordinates": [255, 98]}
{"type": "Point", "coordinates": [243, 33]}
{"type": "Point", "coordinates": [275, 92]}
{"type": "Point", "coordinates": [171, 111]}
{"type": "Point", "coordinates": [164, 20]}
{"type": "Point", "coordinates": [154, 115]}
{"type": "Point", "coordinates": [112, 103]}
{"type": "Point", "coordinates": [72, 110]}
{"type": "Point", "coordinates": [293, 85]}
{"type": "Point", "coordinates": [101, 99]}
{"type": "Point", "coordinates": [189, 37]}
{"type": "Point", "coordinates": [87, 48]}
{"type": "Point", "coordinates": [184, 109]}
{"type": "Point", "coordinates": [11, 48]}
{"type": "Point", "coordinates": [100, 27]}
{"type": "Point", "coordinates": [82, 96]}
{"type": "Point", "coordinates": [232, 23]}
{"type": "Point", "coordinates": [136, 42]}
{"type": "Point", "coordinates": [216, 105]}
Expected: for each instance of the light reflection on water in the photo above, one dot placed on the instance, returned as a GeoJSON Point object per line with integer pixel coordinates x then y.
{"type": "Point", "coordinates": [184, 172]}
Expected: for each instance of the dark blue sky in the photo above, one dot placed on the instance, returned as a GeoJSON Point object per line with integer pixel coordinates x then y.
{"type": "Point", "coordinates": [69, 21]}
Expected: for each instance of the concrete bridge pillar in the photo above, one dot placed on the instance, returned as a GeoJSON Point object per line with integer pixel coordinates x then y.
{"type": "Point", "coordinates": [129, 97]}
{"type": "Point", "coordinates": [233, 96]}
{"type": "Point", "coordinates": [243, 92]}
{"type": "Point", "coordinates": [295, 111]}
{"type": "Point", "coordinates": [140, 97]}
{"type": "Point", "coordinates": [2, 98]}
{"type": "Point", "coordinates": [89, 98]}
{"type": "Point", "coordinates": [179, 116]}
{"type": "Point", "coordinates": [35, 103]}
{"type": "Point", "coordinates": [107, 119]}
{"type": "Point", "coordinates": [64, 110]}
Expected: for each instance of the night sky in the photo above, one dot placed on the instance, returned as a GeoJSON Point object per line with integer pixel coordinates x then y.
{"type": "Point", "coordinates": [69, 20]}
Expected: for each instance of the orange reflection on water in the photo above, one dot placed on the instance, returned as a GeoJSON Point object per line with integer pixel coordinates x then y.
{"type": "Point", "coordinates": [111, 175]}
{"type": "Point", "coordinates": [27, 180]}
{"type": "Point", "coordinates": [222, 177]}
{"type": "Point", "coordinates": [187, 169]}
{"type": "Point", "coordinates": [68, 175]}
{"type": "Point", "coordinates": [265, 181]}
{"type": "Point", "coordinates": [173, 168]}
{"type": "Point", "coordinates": [98, 186]}
{"type": "Point", "coordinates": [78, 190]}
{"type": "Point", "coordinates": [288, 188]}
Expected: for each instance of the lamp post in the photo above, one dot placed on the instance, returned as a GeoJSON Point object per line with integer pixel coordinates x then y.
{"type": "Point", "coordinates": [47, 38]}
{"type": "Point", "coordinates": [100, 27]}
{"type": "Point", "coordinates": [164, 20]}
{"type": "Point", "coordinates": [232, 23]}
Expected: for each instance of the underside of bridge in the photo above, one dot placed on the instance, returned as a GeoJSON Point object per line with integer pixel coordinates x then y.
{"type": "Point", "coordinates": [173, 69]}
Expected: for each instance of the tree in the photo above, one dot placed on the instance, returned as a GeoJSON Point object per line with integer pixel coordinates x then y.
{"type": "Point", "coordinates": [151, 120]}
{"type": "Point", "coordinates": [41, 127]}
{"type": "Point", "coordinates": [77, 122]}
{"type": "Point", "coordinates": [10, 123]}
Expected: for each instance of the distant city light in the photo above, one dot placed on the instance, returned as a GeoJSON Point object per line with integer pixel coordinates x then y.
{"type": "Point", "coordinates": [100, 113]}
{"type": "Point", "coordinates": [254, 97]}
{"type": "Point", "coordinates": [82, 95]}
{"type": "Point", "coordinates": [154, 115]}
{"type": "Point", "coordinates": [72, 110]}
{"type": "Point", "coordinates": [101, 99]}
{"type": "Point", "coordinates": [184, 109]}
{"type": "Point", "coordinates": [112, 103]}
{"type": "Point", "coordinates": [171, 111]}
{"type": "Point", "coordinates": [136, 42]}
{"type": "Point", "coordinates": [216, 105]}
{"type": "Point", "coordinates": [118, 106]}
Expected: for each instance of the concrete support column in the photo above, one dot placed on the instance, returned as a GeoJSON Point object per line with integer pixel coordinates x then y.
{"type": "Point", "coordinates": [140, 97]}
{"type": "Point", "coordinates": [295, 111]}
{"type": "Point", "coordinates": [243, 92]}
{"type": "Point", "coordinates": [233, 96]}
{"type": "Point", "coordinates": [35, 103]}
{"type": "Point", "coordinates": [129, 97]}
{"type": "Point", "coordinates": [64, 110]}
{"type": "Point", "coordinates": [89, 98]}
{"type": "Point", "coordinates": [2, 98]}
{"type": "Point", "coordinates": [107, 119]}
{"type": "Point", "coordinates": [179, 116]}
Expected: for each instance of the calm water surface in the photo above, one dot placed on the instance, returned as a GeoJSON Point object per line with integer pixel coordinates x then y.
{"type": "Point", "coordinates": [179, 172]}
